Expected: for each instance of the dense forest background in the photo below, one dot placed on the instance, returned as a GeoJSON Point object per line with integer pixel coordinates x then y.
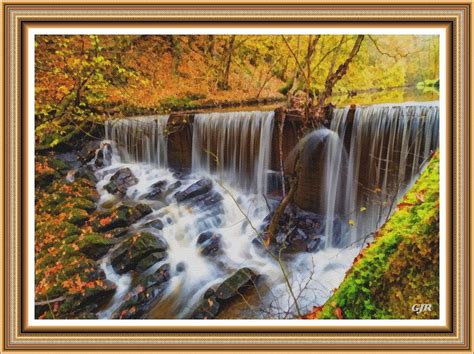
{"type": "Point", "coordinates": [82, 80]}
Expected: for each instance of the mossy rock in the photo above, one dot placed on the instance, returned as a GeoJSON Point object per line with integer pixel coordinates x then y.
{"type": "Point", "coordinates": [76, 216]}
{"type": "Point", "coordinates": [71, 274]}
{"type": "Point", "coordinates": [47, 233]}
{"type": "Point", "coordinates": [87, 301]}
{"type": "Point", "coordinates": [122, 216]}
{"type": "Point", "coordinates": [94, 245]}
{"type": "Point", "coordinates": [45, 174]}
{"type": "Point", "coordinates": [134, 250]}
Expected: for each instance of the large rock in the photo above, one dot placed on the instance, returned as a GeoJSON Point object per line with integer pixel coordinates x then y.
{"type": "Point", "coordinates": [199, 188]}
{"type": "Point", "coordinates": [233, 287]}
{"type": "Point", "coordinates": [235, 284]}
{"type": "Point", "coordinates": [145, 295]}
{"type": "Point", "coordinates": [121, 181]}
{"type": "Point", "coordinates": [135, 250]}
{"type": "Point", "coordinates": [119, 217]}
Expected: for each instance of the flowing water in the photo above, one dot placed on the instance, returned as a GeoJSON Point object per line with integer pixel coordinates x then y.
{"type": "Point", "coordinates": [387, 147]}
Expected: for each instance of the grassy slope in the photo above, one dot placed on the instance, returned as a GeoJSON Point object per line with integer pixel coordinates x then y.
{"type": "Point", "coordinates": [401, 267]}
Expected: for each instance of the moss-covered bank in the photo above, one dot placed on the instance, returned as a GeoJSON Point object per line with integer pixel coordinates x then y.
{"type": "Point", "coordinates": [401, 267]}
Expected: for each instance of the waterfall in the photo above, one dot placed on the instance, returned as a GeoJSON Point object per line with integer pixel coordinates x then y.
{"type": "Point", "coordinates": [235, 146]}
{"type": "Point", "coordinates": [140, 139]}
{"type": "Point", "coordinates": [387, 147]}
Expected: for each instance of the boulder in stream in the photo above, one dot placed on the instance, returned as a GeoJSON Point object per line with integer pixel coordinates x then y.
{"type": "Point", "coordinates": [121, 181]}
{"type": "Point", "coordinates": [196, 189]}
{"type": "Point", "coordinates": [156, 190]}
{"type": "Point", "coordinates": [233, 287]}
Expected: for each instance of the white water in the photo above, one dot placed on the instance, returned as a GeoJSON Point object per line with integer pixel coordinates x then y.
{"type": "Point", "coordinates": [234, 146]}
{"type": "Point", "coordinates": [141, 139]}
{"type": "Point", "coordinates": [389, 145]}
{"type": "Point", "coordinates": [242, 142]}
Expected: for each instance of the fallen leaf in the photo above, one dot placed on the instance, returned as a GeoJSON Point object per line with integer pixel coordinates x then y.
{"type": "Point", "coordinates": [338, 313]}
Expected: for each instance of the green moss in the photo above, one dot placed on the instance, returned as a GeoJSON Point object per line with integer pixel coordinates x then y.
{"type": "Point", "coordinates": [401, 267]}
{"type": "Point", "coordinates": [95, 245]}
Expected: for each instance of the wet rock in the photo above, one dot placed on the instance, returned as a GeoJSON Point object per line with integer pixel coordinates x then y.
{"type": "Point", "coordinates": [87, 153]}
{"type": "Point", "coordinates": [134, 250]}
{"type": "Point", "coordinates": [199, 188]}
{"type": "Point", "coordinates": [156, 190]}
{"type": "Point", "coordinates": [95, 245]}
{"type": "Point", "coordinates": [159, 277]}
{"type": "Point", "coordinates": [150, 260]}
{"type": "Point", "coordinates": [180, 267]}
{"type": "Point", "coordinates": [214, 300]}
{"type": "Point", "coordinates": [209, 243]}
{"type": "Point", "coordinates": [298, 231]}
{"type": "Point", "coordinates": [156, 224]}
{"type": "Point", "coordinates": [145, 295]}
{"type": "Point", "coordinates": [210, 200]}
{"type": "Point", "coordinates": [122, 216]}
{"type": "Point", "coordinates": [235, 284]}
{"type": "Point", "coordinates": [208, 309]}
{"type": "Point", "coordinates": [175, 185]}
{"type": "Point", "coordinates": [118, 232]}
{"type": "Point", "coordinates": [121, 181]}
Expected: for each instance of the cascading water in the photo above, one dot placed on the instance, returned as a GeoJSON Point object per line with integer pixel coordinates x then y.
{"type": "Point", "coordinates": [388, 146]}
{"type": "Point", "coordinates": [141, 139]}
{"type": "Point", "coordinates": [361, 164]}
{"type": "Point", "coordinates": [234, 209]}
{"type": "Point", "coordinates": [235, 146]}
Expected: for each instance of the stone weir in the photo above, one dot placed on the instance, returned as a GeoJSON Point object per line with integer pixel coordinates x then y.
{"type": "Point", "coordinates": [179, 131]}
{"type": "Point", "coordinates": [243, 147]}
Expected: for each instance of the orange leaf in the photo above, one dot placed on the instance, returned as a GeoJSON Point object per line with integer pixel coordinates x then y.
{"type": "Point", "coordinates": [338, 313]}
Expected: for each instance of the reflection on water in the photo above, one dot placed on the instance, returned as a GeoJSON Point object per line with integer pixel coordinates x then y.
{"type": "Point", "coordinates": [395, 95]}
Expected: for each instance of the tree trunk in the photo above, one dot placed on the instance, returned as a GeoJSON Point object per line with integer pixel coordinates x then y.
{"type": "Point", "coordinates": [224, 84]}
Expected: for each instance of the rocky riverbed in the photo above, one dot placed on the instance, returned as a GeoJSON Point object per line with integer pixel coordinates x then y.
{"type": "Point", "coordinates": [122, 241]}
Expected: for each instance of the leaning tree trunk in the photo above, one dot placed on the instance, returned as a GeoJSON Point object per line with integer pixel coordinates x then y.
{"type": "Point", "coordinates": [333, 78]}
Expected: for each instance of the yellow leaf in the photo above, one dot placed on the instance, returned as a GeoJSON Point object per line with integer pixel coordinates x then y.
{"type": "Point", "coordinates": [351, 222]}
{"type": "Point", "coordinates": [363, 209]}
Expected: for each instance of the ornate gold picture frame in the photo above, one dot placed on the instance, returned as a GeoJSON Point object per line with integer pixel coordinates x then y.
{"type": "Point", "coordinates": [23, 332]}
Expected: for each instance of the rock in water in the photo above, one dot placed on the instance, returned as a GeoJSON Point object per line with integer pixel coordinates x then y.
{"type": "Point", "coordinates": [209, 243]}
{"type": "Point", "coordinates": [156, 190]}
{"type": "Point", "coordinates": [145, 295]}
{"type": "Point", "coordinates": [121, 181]}
{"type": "Point", "coordinates": [214, 300]}
{"type": "Point", "coordinates": [199, 188]}
{"type": "Point", "coordinates": [236, 283]}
